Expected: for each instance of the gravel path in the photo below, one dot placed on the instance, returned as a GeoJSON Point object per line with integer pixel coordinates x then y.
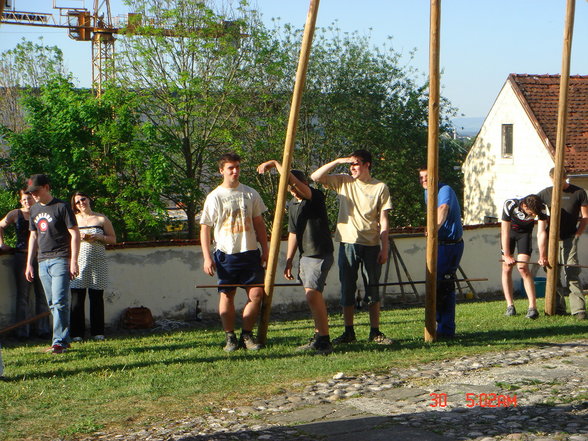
{"type": "Point", "coordinates": [535, 394]}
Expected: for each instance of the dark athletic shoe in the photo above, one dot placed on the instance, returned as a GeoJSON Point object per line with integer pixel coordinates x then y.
{"type": "Point", "coordinates": [316, 346]}
{"type": "Point", "coordinates": [247, 341]}
{"type": "Point", "coordinates": [510, 311]}
{"type": "Point", "coordinates": [323, 347]}
{"type": "Point", "coordinates": [345, 338]}
{"type": "Point", "coordinates": [380, 339]}
{"type": "Point", "coordinates": [532, 313]}
{"type": "Point", "coordinates": [231, 344]}
{"type": "Point", "coordinates": [308, 346]}
{"type": "Point", "coordinates": [580, 316]}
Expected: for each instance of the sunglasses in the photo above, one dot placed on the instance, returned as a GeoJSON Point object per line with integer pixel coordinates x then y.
{"type": "Point", "coordinates": [79, 201]}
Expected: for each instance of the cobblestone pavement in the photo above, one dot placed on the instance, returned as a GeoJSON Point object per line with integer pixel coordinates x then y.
{"type": "Point", "coordinates": [535, 394]}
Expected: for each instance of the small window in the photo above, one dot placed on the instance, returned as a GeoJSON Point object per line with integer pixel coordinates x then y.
{"type": "Point", "coordinates": [507, 140]}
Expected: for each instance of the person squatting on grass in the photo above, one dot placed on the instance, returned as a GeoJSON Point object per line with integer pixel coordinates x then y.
{"type": "Point", "coordinates": [516, 228]}
{"type": "Point", "coordinates": [308, 230]}
{"type": "Point", "coordinates": [362, 230]}
{"type": "Point", "coordinates": [449, 252]}
{"type": "Point", "coordinates": [55, 235]}
{"type": "Point", "coordinates": [233, 211]}
{"type": "Point", "coordinates": [25, 306]}
{"type": "Point", "coordinates": [574, 206]}
{"type": "Point", "coordinates": [96, 231]}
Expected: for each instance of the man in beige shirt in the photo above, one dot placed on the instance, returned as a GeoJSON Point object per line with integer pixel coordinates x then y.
{"type": "Point", "coordinates": [362, 230]}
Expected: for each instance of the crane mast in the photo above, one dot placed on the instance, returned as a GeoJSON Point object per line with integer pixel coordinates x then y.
{"type": "Point", "coordinates": [95, 25]}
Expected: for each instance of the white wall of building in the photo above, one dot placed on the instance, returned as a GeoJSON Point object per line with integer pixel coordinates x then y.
{"type": "Point", "coordinates": [164, 278]}
{"type": "Point", "coordinates": [489, 178]}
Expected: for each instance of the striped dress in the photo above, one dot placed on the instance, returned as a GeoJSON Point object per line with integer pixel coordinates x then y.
{"type": "Point", "coordinates": [92, 263]}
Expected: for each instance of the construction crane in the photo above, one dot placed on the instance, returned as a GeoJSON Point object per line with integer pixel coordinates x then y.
{"type": "Point", "coordinates": [96, 25]}
{"type": "Point", "coordinates": [82, 24]}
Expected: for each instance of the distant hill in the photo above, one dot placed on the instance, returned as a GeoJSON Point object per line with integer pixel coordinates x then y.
{"type": "Point", "coordinates": [468, 126]}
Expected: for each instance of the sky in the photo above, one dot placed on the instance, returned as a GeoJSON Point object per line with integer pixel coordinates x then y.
{"type": "Point", "coordinates": [482, 41]}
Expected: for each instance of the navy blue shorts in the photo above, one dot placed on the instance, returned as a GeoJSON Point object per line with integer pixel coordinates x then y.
{"type": "Point", "coordinates": [238, 269]}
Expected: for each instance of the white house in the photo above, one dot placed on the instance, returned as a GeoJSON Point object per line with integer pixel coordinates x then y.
{"type": "Point", "coordinates": [514, 151]}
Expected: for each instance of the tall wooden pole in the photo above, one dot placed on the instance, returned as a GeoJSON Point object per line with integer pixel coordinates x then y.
{"type": "Point", "coordinates": [433, 173]}
{"type": "Point", "coordinates": [562, 122]}
{"type": "Point", "coordinates": [274, 251]}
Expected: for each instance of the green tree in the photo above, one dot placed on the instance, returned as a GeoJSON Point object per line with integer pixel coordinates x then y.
{"type": "Point", "coordinates": [195, 75]}
{"type": "Point", "coordinates": [91, 145]}
{"type": "Point", "coordinates": [27, 65]}
{"type": "Point", "coordinates": [360, 96]}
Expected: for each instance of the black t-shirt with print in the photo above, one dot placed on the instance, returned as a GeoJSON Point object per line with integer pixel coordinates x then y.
{"type": "Point", "coordinates": [308, 219]}
{"type": "Point", "coordinates": [51, 222]}
{"type": "Point", "coordinates": [572, 198]}
{"type": "Point", "coordinates": [519, 220]}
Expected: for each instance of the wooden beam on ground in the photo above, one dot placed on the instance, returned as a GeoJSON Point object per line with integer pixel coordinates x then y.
{"type": "Point", "coordinates": [276, 235]}
{"type": "Point", "coordinates": [424, 281]}
{"type": "Point", "coordinates": [432, 172]}
{"type": "Point", "coordinates": [559, 264]}
{"type": "Point", "coordinates": [562, 121]}
{"type": "Point", "coordinates": [249, 285]}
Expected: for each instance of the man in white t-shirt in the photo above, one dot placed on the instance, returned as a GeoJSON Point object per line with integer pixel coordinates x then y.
{"type": "Point", "coordinates": [362, 230]}
{"type": "Point", "coordinates": [233, 212]}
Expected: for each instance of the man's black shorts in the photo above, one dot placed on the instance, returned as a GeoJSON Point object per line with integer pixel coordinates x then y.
{"type": "Point", "coordinates": [522, 241]}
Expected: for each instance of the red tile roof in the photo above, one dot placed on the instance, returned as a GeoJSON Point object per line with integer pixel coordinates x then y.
{"type": "Point", "coordinates": [540, 95]}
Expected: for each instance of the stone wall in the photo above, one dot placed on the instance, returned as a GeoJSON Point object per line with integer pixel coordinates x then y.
{"type": "Point", "coordinates": [163, 276]}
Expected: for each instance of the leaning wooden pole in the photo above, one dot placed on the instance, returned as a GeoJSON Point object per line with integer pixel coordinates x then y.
{"type": "Point", "coordinates": [562, 123]}
{"type": "Point", "coordinates": [433, 174]}
{"type": "Point", "coordinates": [274, 251]}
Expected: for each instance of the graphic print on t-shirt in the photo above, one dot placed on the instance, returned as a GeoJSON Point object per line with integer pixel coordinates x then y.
{"type": "Point", "coordinates": [236, 219]}
{"type": "Point", "coordinates": [42, 221]}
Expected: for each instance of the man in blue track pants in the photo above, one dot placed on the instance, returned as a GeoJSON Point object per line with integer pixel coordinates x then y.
{"type": "Point", "coordinates": [448, 255]}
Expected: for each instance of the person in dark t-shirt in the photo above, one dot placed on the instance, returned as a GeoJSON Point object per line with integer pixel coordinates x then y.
{"type": "Point", "coordinates": [26, 307]}
{"type": "Point", "coordinates": [55, 239]}
{"type": "Point", "coordinates": [518, 220]}
{"type": "Point", "coordinates": [308, 230]}
{"type": "Point", "coordinates": [573, 222]}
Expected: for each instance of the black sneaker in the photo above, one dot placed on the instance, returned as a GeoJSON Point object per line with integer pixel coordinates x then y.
{"type": "Point", "coordinates": [346, 337]}
{"type": "Point", "coordinates": [232, 344]}
{"type": "Point", "coordinates": [532, 313]}
{"type": "Point", "coordinates": [309, 346]}
{"type": "Point", "coordinates": [510, 311]}
{"type": "Point", "coordinates": [380, 339]}
{"type": "Point", "coordinates": [247, 341]}
{"type": "Point", "coordinates": [323, 347]}
{"type": "Point", "coordinates": [580, 315]}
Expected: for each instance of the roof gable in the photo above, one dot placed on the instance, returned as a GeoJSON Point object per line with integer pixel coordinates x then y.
{"type": "Point", "coordinates": [540, 95]}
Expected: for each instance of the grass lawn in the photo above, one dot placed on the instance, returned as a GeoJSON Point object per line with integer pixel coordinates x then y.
{"type": "Point", "coordinates": [133, 381]}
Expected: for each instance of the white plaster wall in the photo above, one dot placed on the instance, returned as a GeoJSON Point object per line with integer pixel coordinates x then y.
{"type": "Point", "coordinates": [489, 178]}
{"type": "Point", "coordinates": [164, 278]}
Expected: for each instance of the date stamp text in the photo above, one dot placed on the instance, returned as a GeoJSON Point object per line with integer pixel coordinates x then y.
{"type": "Point", "coordinates": [476, 400]}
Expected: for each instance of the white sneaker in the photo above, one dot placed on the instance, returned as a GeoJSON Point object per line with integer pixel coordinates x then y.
{"type": "Point", "coordinates": [98, 337]}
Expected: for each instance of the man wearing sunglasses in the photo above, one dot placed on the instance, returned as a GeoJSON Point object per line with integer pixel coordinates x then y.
{"type": "Point", "coordinates": [362, 230]}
